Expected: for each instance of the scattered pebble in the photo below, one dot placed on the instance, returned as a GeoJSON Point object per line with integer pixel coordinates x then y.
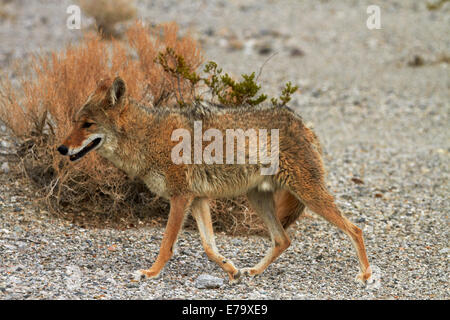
{"type": "Point", "coordinates": [206, 281]}
{"type": "Point", "coordinates": [264, 49]}
{"type": "Point", "coordinates": [296, 52]}
{"type": "Point", "coordinates": [5, 144]}
{"type": "Point", "coordinates": [5, 167]}
{"type": "Point", "coordinates": [416, 61]}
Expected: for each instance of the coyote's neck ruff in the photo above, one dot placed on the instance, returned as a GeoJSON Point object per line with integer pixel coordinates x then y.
{"type": "Point", "coordinates": [156, 145]}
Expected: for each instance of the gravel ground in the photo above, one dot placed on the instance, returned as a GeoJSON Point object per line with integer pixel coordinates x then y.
{"type": "Point", "coordinates": [383, 123]}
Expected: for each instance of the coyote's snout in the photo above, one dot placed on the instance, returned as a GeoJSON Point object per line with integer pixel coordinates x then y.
{"type": "Point", "coordinates": [91, 143]}
{"type": "Point", "coordinates": [140, 141]}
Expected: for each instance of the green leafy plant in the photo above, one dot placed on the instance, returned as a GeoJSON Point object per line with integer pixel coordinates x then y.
{"type": "Point", "coordinates": [286, 93]}
{"type": "Point", "coordinates": [229, 91]}
{"type": "Point", "coordinates": [176, 66]}
{"type": "Point", "coordinates": [221, 86]}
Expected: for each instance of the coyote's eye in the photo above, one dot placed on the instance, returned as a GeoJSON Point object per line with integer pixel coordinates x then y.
{"type": "Point", "coordinates": [86, 125]}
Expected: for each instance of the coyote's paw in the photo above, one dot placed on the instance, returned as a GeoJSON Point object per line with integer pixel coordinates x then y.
{"type": "Point", "coordinates": [374, 282]}
{"type": "Point", "coordinates": [364, 278]}
{"type": "Point", "coordinates": [252, 272]}
{"type": "Point", "coordinates": [143, 274]}
{"type": "Point", "coordinates": [235, 278]}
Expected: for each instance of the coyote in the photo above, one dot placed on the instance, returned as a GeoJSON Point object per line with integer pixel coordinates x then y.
{"type": "Point", "coordinates": [137, 139]}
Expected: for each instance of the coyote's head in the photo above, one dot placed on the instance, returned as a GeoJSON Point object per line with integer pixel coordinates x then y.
{"type": "Point", "coordinates": [94, 124]}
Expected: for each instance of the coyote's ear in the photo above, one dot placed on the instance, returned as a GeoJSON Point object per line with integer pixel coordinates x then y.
{"type": "Point", "coordinates": [117, 91]}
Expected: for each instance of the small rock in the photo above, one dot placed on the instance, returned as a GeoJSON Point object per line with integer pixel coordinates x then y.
{"type": "Point", "coordinates": [111, 280]}
{"type": "Point", "coordinates": [16, 268]}
{"type": "Point", "coordinates": [137, 276]}
{"type": "Point", "coordinates": [357, 180]}
{"type": "Point", "coordinates": [248, 46]}
{"type": "Point", "coordinates": [297, 52]}
{"type": "Point", "coordinates": [73, 279]}
{"type": "Point", "coordinates": [270, 33]}
{"type": "Point", "coordinates": [265, 49]}
{"type": "Point", "coordinates": [5, 144]}
{"type": "Point", "coordinates": [223, 42]}
{"type": "Point", "coordinates": [14, 280]}
{"type": "Point", "coordinates": [100, 272]}
{"type": "Point", "coordinates": [236, 242]}
{"type": "Point", "coordinates": [235, 44]}
{"type": "Point", "coordinates": [264, 32]}
{"type": "Point", "coordinates": [131, 285]}
{"type": "Point", "coordinates": [316, 93]}
{"type": "Point", "coordinates": [10, 246]}
{"type": "Point", "coordinates": [210, 32]}
{"type": "Point", "coordinates": [206, 281]}
{"type": "Point", "coordinates": [416, 61]}
{"type": "Point", "coordinates": [378, 195]}
{"type": "Point", "coordinates": [5, 167]}
{"type": "Point", "coordinates": [444, 250]}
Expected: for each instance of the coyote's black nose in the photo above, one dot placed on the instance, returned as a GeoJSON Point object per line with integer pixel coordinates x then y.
{"type": "Point", "coordinates": [63, 149]}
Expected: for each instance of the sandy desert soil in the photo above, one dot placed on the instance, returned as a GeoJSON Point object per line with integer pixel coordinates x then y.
{"type": "Point", "coordinates": [383, 120]}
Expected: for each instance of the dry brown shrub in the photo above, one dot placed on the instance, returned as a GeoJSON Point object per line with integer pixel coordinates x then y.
{"type": "Point", "coordinates": [148, 45]}
{"type": "Point", "coordinates": [39, 111]}
{"type": "Point", "coordinates": [107, 13]}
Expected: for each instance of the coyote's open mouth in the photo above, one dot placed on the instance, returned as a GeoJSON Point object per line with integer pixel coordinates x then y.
{"type": "Point", "coordinates": [92, 145]}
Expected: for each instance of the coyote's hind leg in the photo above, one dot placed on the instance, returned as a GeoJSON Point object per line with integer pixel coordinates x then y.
{"type": "Point", "coordinates": [288, 208]}
{"type": "Point", "coordinates": [263, 204]}
{"type": "Point", "coordinates": [201, 213]}
{"type": "Point", "coordinates": [317, 198]}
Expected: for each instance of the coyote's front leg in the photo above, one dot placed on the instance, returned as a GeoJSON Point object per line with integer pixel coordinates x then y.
{"type": "Point", "coordinates": [178, 208]}
{"type": "Point", "coordinates": [201, 213]}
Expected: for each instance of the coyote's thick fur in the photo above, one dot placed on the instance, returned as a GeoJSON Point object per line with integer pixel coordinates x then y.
{"type": "Point", "coordinates": [137, 139]}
